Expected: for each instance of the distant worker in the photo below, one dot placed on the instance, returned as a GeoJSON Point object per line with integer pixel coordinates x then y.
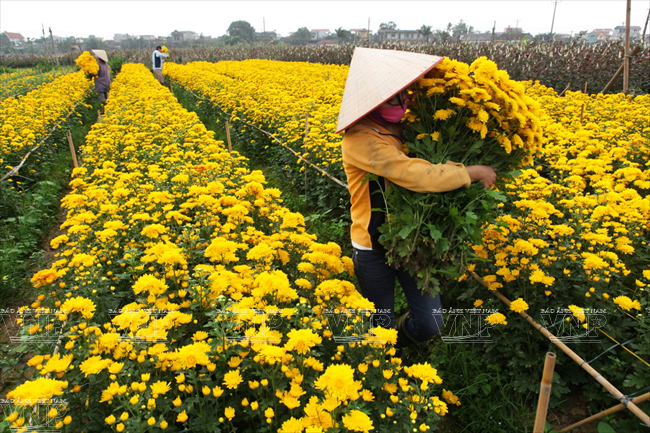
{"type": "Point", "coordinates": [103, 77]}
{"type": "Point", "coordinates": [157, 59]}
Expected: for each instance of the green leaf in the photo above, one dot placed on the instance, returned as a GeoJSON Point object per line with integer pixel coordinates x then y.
{"type": "Point", "coordinates": [603, 427]}
{"type": "Point", "coordinates": [406, 230]}
{"type": "Point", "coordinates": [434, 233]}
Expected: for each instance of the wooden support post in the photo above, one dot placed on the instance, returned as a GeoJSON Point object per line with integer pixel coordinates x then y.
{"type": "Point", "coordinates": [305, 141]}
{"type": "Point", "coordinates": [567, 88]}
{"type": "Point", "coordinates": [72, 151]}
{"type": "Point", "coordinates": [228, 136]}
{"type": "Point", "coordinates": [618, 73]}
{"type": "Point", "coordinates": [544, 393]}
{"type": "Point", "coordinates": [626, 61]}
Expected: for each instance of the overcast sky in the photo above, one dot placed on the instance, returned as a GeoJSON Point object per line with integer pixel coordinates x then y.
{"type": "Point", "coordinates": [212, 18]}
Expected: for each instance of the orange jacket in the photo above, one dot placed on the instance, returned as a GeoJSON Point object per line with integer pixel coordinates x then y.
{"type": "Point", "coordinates": [368, 147]}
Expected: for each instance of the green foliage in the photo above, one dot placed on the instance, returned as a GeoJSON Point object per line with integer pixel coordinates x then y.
{"type": "Point", "coordinates": [490, 403]}
{"type": "Point", "coordinates": [46, 64]}
{"type": "Point", "coordinates": [116, 62]}
{"type": "Point", "coordinates": [242, 30]}
{"type": "Point", "coordinates": [300, 37]}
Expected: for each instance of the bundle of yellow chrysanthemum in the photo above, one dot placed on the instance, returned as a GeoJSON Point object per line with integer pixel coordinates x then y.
{"type": "Point", "coordinates": [164, 50]}
{"type": "Point", "coordinates": [472, 114]}
{"type": "Point", "coordinates": [87, 63]}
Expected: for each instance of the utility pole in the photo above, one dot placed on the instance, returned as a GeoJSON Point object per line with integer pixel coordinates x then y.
{"type": "Point", "coordinates": [645, 27]}
{"type": "Point", "coordinates": [43, 39]}
{"type": "Point", "coordinates": [53, 47]}
{"type": "Point", "coordinates": [494, 26]}
{"type": "Point", "coordinates": [553, 21]}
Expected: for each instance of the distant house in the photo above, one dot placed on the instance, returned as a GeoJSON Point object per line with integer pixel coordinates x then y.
{"type": "Point", "coordinates": [619, 32]}
{"type": "Point", "coordinates": [598, 36]}
{"type": "Point", "coordinates": [184, 36]}
{"type": "Point", "coordinates": [16, 39]}
{"type": "Point", "coordinates": [361, 33]}
{"type": "Point", "coordinates": [319, 33]}
{"type": "Point", "coordinates": [407, 36]}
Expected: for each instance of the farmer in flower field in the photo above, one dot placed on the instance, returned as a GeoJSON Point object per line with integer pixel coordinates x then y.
{"type": "Point", "coordinates": [103, 77]}
{"type": "Point", "coordinates": [158, 58]}
{"type": "Point", "coordinates": [374, 101]}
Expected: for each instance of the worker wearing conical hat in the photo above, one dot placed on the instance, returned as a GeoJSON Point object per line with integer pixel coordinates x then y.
{"type": "Point", "coordinates": [374, 101]}
{"type": "Point", "coordinates": [103, 77]}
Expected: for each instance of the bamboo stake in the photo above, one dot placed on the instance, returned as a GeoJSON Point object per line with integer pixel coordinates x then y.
{"type": "Point", "coordinates": [228, 136]}
{"type": "Point", "coordinates": [544, 393]}
{"type": "Point", "coordinates": [16, 168]}
{"type": "Point", "coordinates": [305, 142]}
{"type": "Point", "coordinates": [626, 61]}
{"type": "Point", "coordinates": [618, 73]}
{"type": "Point", "coordinates": [575, 357]}
{"type": "Point", "coordinates": [606, 412]}
{"type": "Point", "coordinates": [567, 88]}
{"type": "Point", "coordinates": [74, 154]}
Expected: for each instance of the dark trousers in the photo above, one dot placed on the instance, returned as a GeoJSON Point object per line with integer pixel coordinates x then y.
{"type": "Point", "coordinates": [377, 283]}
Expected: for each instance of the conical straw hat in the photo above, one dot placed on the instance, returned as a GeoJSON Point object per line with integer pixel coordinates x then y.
{"type": "Point", "coordinates": [101, 54]}
{"type": "Point", "coordinates": [375, 76]}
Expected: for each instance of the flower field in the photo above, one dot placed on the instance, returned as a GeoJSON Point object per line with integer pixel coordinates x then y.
{"type": "Point", "coordinates": [24, 80]}
{"type": "Point", "coordinates": [185, 296]}
{"type": "Point", "coordinates": [27, 120]}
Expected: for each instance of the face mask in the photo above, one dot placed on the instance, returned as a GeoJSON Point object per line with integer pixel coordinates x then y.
{"type": "Point", "coordinates": [392, 114]}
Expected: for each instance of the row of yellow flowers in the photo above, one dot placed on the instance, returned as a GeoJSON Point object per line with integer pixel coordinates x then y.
{"type": "Point", "coordinates": [185, 296]}
{"type": "Point", "coordinates": [284, 98]}
{"type": "Point", "coordinates": [580, 215]}
{"type": "Point", "coordinates": [19, 82]}
{"type": "Point", "coordinates": [26, 120]}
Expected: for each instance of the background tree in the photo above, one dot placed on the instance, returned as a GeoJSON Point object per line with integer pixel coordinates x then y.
{"type": "Point", "coordinates": [390, 25]}
{"type": "Point", "coordinates": [461, 29]}
{"type": "Point", "coordinates": [343, 35]}
{"type": "Point", "coordinates": [441, 36]}
{"type": "Point", "coordinates": [243, 30]}
{"type": "Point", "coordinates": [67, 45]}
{"type": "Point", "coordinates": [302, 36]}
{"type": "Point", "coordinates": [5, 44]}
{"type": "Point", "coordinates": [426, 32]}
{"type": "Point", "coordinates": [92, 43]}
